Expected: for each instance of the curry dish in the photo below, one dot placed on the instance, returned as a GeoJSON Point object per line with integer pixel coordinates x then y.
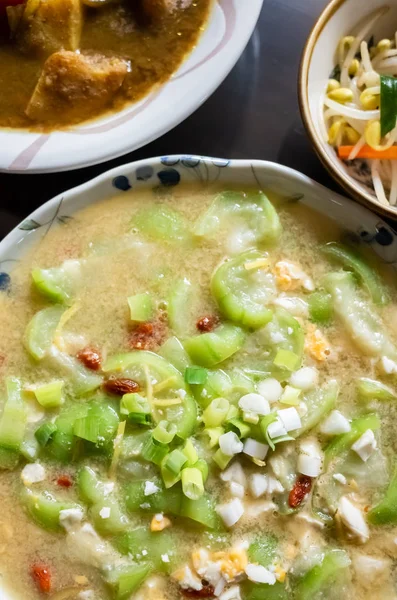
{"type": "Point", "coordinates": [66, 61]}
{"type": "Point", "coordinates": [198, 400]}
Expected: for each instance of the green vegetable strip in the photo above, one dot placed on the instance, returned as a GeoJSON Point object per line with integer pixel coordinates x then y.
{"type": "Point", "coordinates": [115, 523]}
{"type": "Point", "coordinates": [141, 307]}
{"type": "Point", "coordinates": [354, 262]}
{"type": "Point", "coordinates": [359, 319]}
{"type": "Point", "coordinates": [40, 331]}
{"type": "Point", "coordinates": [9, 459]}
{"type": "Point", "coordinates": [196, 375]}
{"type": "Point", "coordinates": [342, 443]}
{"type": "Point", "coordinates": [287, 360]}
{"type": "Point", "coordinates": [44, 509]}
{"type": "Point", "coordinates": [90, 487]}
{"type": "Point", "coordinates": [127, 579]}
{"type": "Point", "coordinates": [173, 351]}
{"type": "Point", "coordinates": [317, 579]}
{"type": "Point", "coordinates": [192, 483]}
{"type": "Point", "coordinates": [215, 414]}
{"type": "Point", "coordinates": [319, 403]}
{"type": "Point", "coordinates": [320, 307]}
{"type": "Point", "coordinates": [209, 349]}
{"type": "Point", "coordinates": [45, 432]}
{"type": "Point", "coordinates": [385, 513]}
{"type": "Point", "coordinates": [370, 389]}
{"type": "Point", "coordinates": [241, 297]}
{"type": "Point", "coordinates": [253, 209]}
{"type": "Point", "coordinates": [13, 420]}
{"type": "Point", "coordinates": [388, 103]}
{"type": "Point", "coordinates": [178, 307]}
{"type": "Point", "coordinates": [201, 510]}
{"type": "Point", "coordinates": [49, 395]}
{"type": "Point", "coordinates": [263, 550]}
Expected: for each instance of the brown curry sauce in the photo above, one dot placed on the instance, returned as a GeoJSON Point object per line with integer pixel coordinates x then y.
{"type": "Point", "coordinates": [121, 32]}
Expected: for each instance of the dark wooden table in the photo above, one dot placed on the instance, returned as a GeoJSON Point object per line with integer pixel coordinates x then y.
{"type": "Point", "coordinates": [253, 114]}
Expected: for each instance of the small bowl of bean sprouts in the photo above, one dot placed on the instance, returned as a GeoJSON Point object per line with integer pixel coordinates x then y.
{"type": "Point", "coordinates": [348, 98]}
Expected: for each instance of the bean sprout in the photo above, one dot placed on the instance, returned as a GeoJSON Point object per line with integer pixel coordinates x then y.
{"type": "Point", "coordinates": [353, 114]}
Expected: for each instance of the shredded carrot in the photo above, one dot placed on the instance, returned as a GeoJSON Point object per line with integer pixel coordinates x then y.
{"type": "Point", "coordinates": [368, 152]}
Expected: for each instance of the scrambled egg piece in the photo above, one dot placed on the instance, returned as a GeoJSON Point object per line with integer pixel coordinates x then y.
{"type": "Point", "coordinates": [316, 344]}
{"type": "Point", "coordinates": [280, 573]}
{"type": "Point", "coordinates": [291, 277]}
{"type": "Point", "coordinates": [159, 522]}
{"type": "Point", "coordinates": [232, 562]}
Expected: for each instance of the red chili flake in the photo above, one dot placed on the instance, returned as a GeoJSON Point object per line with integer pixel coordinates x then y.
{"type": "Point", "coordinates": [90, 358]}
{"type": "Point", "coordinates": [64, 481]}
{"type": "Point", "coordinates": [148, 335]}
{"type": "Point", "coordinates": [42, 576]}
{"type": "Point", "coordinates": [302, 486]}
{"type": "Point", "coordinates": [119, 387]}
{"type": "Point", "coordinates": [207, 323]}
{"type": "Point", "coordinates": [207, 591]}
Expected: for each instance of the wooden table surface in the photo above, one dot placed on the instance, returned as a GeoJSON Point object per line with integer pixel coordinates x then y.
{"type": "Point", "coordinates": [253, 114]}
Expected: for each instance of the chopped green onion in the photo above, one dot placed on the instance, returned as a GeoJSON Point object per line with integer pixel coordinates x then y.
{"type": "Point", "coordinates": [239, 427]}
{"type": "Point", "coordinates": [164, 432]}
{"type": "Point", "coordinates": [232, 413]}
{"type": "Point", "coordinates": [45, 432]}
{"type": "Point", "coordinates": [190, 453]}
{"type": "Point", "coordinates": [221, 459]}
{"type": "Point", "coordinates": [388, 103]}
{"type": "Point", "coordinates": [264, 424]}
{"type": "Point", "coordinates": [202, 465]}
{"type": "Point", "coordinates": [320, 307]}
{"type": "Point", "coordinates": [153, 451]}
{"type": "Point", "coordinates": [214, 433]}
{"type": "Point", "coordinates": [175, 461]}
{"type": "Point", "coordinates": [250, 417]}
{"type": "Point", "coordinates": [49, 395]}
{"type": "Point", "coordinates": [141, 307]}
{"type": "Point", "coordinates": [291, 396]}
{"type": "Point", "coordinates": [196, 375]}
{"type": "Point", "coordinates": [87, 429]}
{"type": "Point", "coordinates": [136, 407]}
{"type": "Point", "coordinates": [287, 359]}
{"type": "Point", "coordinates": [215, 414]}
{"type": "Point", "coordinates": [192, 483]}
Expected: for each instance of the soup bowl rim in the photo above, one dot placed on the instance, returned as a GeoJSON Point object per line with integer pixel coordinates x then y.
{"type": "Point", "coordinates": [162, 174]}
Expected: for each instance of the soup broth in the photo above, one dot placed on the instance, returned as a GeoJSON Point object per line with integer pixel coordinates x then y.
{"type": "Point", "coordinates": [198, 401]}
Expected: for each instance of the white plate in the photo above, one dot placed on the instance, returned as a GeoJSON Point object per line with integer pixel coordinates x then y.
{"type": "Point", "coordinates": [228, 31]}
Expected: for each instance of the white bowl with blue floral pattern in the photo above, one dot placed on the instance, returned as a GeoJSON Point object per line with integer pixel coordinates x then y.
{"type": "Point", "coordinates": [169, 171]}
